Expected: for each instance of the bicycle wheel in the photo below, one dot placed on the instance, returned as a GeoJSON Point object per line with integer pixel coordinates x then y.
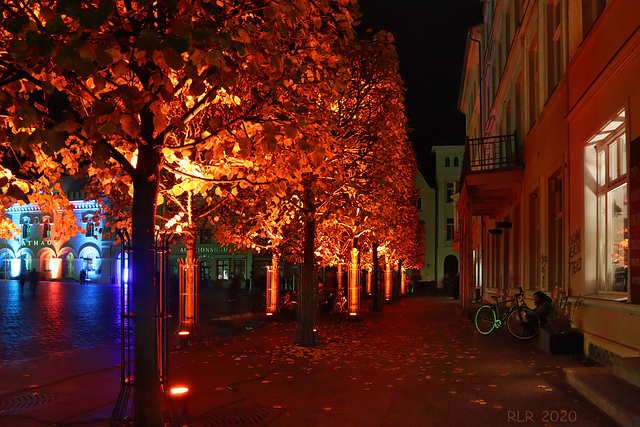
{"type": "Point", "coordinates": [339, 312]}
{"type": "Point", "coordinates": [485, 319]}
{"type": "Point", "coordinates": [523, 323]}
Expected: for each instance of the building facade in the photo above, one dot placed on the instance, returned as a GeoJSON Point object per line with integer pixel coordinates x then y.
{"type": "Point", "coordinates": [549, 190]}
{"type": "Point", "coordinates": [448, 164]}
{"type": "Point", "coordinates": [100, 254]}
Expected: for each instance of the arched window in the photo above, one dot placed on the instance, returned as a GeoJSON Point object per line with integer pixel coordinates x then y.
{"type": "Point", "coordinates": [447, 162]}
{"type": "Point", "coordinates": [46, 228]}
{"type": "Point", "coordinates": [26, 228]}
{"type": "Point", "coordinates": [456, 161]}
{"type": "Point", "coordinates": [90, 229]}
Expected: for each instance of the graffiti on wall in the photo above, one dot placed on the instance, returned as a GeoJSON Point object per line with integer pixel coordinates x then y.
{"type": "Point", "coordinates": [575, 252]}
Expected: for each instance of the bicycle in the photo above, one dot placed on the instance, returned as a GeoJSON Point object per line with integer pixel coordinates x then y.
{"type": "Point", "coordinates": [288, 305]}
{"type": "Point", "coordinates": [522, 322]}
{"type": "Point", "coordinates": [339, 308]}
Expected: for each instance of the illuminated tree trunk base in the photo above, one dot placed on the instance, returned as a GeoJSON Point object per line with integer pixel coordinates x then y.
{"type": "Point", "coordinates": [388, 282]}
{"type": "Point", "coordinates": [354, 276]}
{"type": "Point", "coordinates": [273, 286]}
{"type": "Point", "coordinates": [189, 292]}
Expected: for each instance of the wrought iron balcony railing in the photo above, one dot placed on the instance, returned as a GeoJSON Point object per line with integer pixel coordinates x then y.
{"type": "Point", "coordinates": [492, 153]}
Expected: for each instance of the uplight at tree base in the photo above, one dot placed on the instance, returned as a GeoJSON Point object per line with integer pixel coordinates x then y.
{"type": "Point", "coordinates": [183, 337]}
{"type": "Point", "coordinates": [180, 398]}
{"type": "Point", "coordinates": [179, 390]}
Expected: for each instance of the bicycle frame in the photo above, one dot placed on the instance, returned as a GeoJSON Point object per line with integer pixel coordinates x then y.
{"type": "Point", "coordinates": [519, 303]}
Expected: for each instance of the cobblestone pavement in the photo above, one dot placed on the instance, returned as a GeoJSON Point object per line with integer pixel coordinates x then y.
{"type": "Point", "coordinates": [63, 316]}
{"type": "Point", "coordinates": [416, 363]}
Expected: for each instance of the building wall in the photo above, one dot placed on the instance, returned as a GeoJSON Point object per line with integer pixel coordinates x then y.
{"type": "Point", "coordinates": [562, 122]}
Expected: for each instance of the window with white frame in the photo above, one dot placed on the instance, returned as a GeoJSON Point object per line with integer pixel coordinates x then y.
{"type": "Point", "coordinates": [450, 229]}
{"type": "Point", "coordinates": [612, 216]}
{"type": "Point", "coordinates": [447, 162]}
{"type": "Point", "coordinates": [451, 190]}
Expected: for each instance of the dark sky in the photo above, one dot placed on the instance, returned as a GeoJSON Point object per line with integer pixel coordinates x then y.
{"type": "Point", "coordinates": [430, 37]}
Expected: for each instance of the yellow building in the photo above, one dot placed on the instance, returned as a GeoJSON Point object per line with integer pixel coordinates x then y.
{"type": "Point", "coordinates": [549, 194]}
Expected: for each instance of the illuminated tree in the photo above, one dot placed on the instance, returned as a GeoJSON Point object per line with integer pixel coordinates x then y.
{"type": "Point", "coordinates": [116, 92]}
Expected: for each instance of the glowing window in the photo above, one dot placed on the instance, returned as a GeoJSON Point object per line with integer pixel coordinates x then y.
{"type": "Point", "coordinates": [612, 217]}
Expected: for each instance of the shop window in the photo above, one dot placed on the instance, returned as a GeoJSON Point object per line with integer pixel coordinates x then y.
{"type": "Point", "coordinates": [222, 269]}
{"type": "Point", "coordinates": [205, 270]}
{"type": "Point", "coordinates": [612, 217]}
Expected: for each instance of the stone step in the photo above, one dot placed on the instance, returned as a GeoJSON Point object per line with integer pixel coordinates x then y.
{"type": "Point", "coordinates": [627, 368]}
{"type": "Point", "coordinates": [613, 395]}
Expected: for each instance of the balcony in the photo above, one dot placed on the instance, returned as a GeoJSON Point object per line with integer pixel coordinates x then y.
{"type": "Point", "coordinates": [492, 173]}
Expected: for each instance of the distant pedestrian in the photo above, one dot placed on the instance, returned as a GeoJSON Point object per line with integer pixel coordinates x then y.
{"type": "Point", "coordinates": [233, 288]}
{"type": "Point", "coordinates": [83, 277]}
{"type": "Point", "coordinates": [22, 279]}
{"type": "Point", "coordinates": [34, 278]}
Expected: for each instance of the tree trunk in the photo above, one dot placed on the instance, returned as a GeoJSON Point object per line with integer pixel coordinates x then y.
{"type": "Point", "coordinates": [147, 399]}
{"type": "Point", "coordinates": [305, 330]}
{"type": "Point", "coordinates": [388, 280]}
{"type": "Point", "coordinates": [273, 286]}
{"type": "Point", "coordinates": [375, 289]}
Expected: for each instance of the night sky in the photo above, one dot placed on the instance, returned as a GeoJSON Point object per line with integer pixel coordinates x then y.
{"type": "Point", "coordinates": [430, 38]}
